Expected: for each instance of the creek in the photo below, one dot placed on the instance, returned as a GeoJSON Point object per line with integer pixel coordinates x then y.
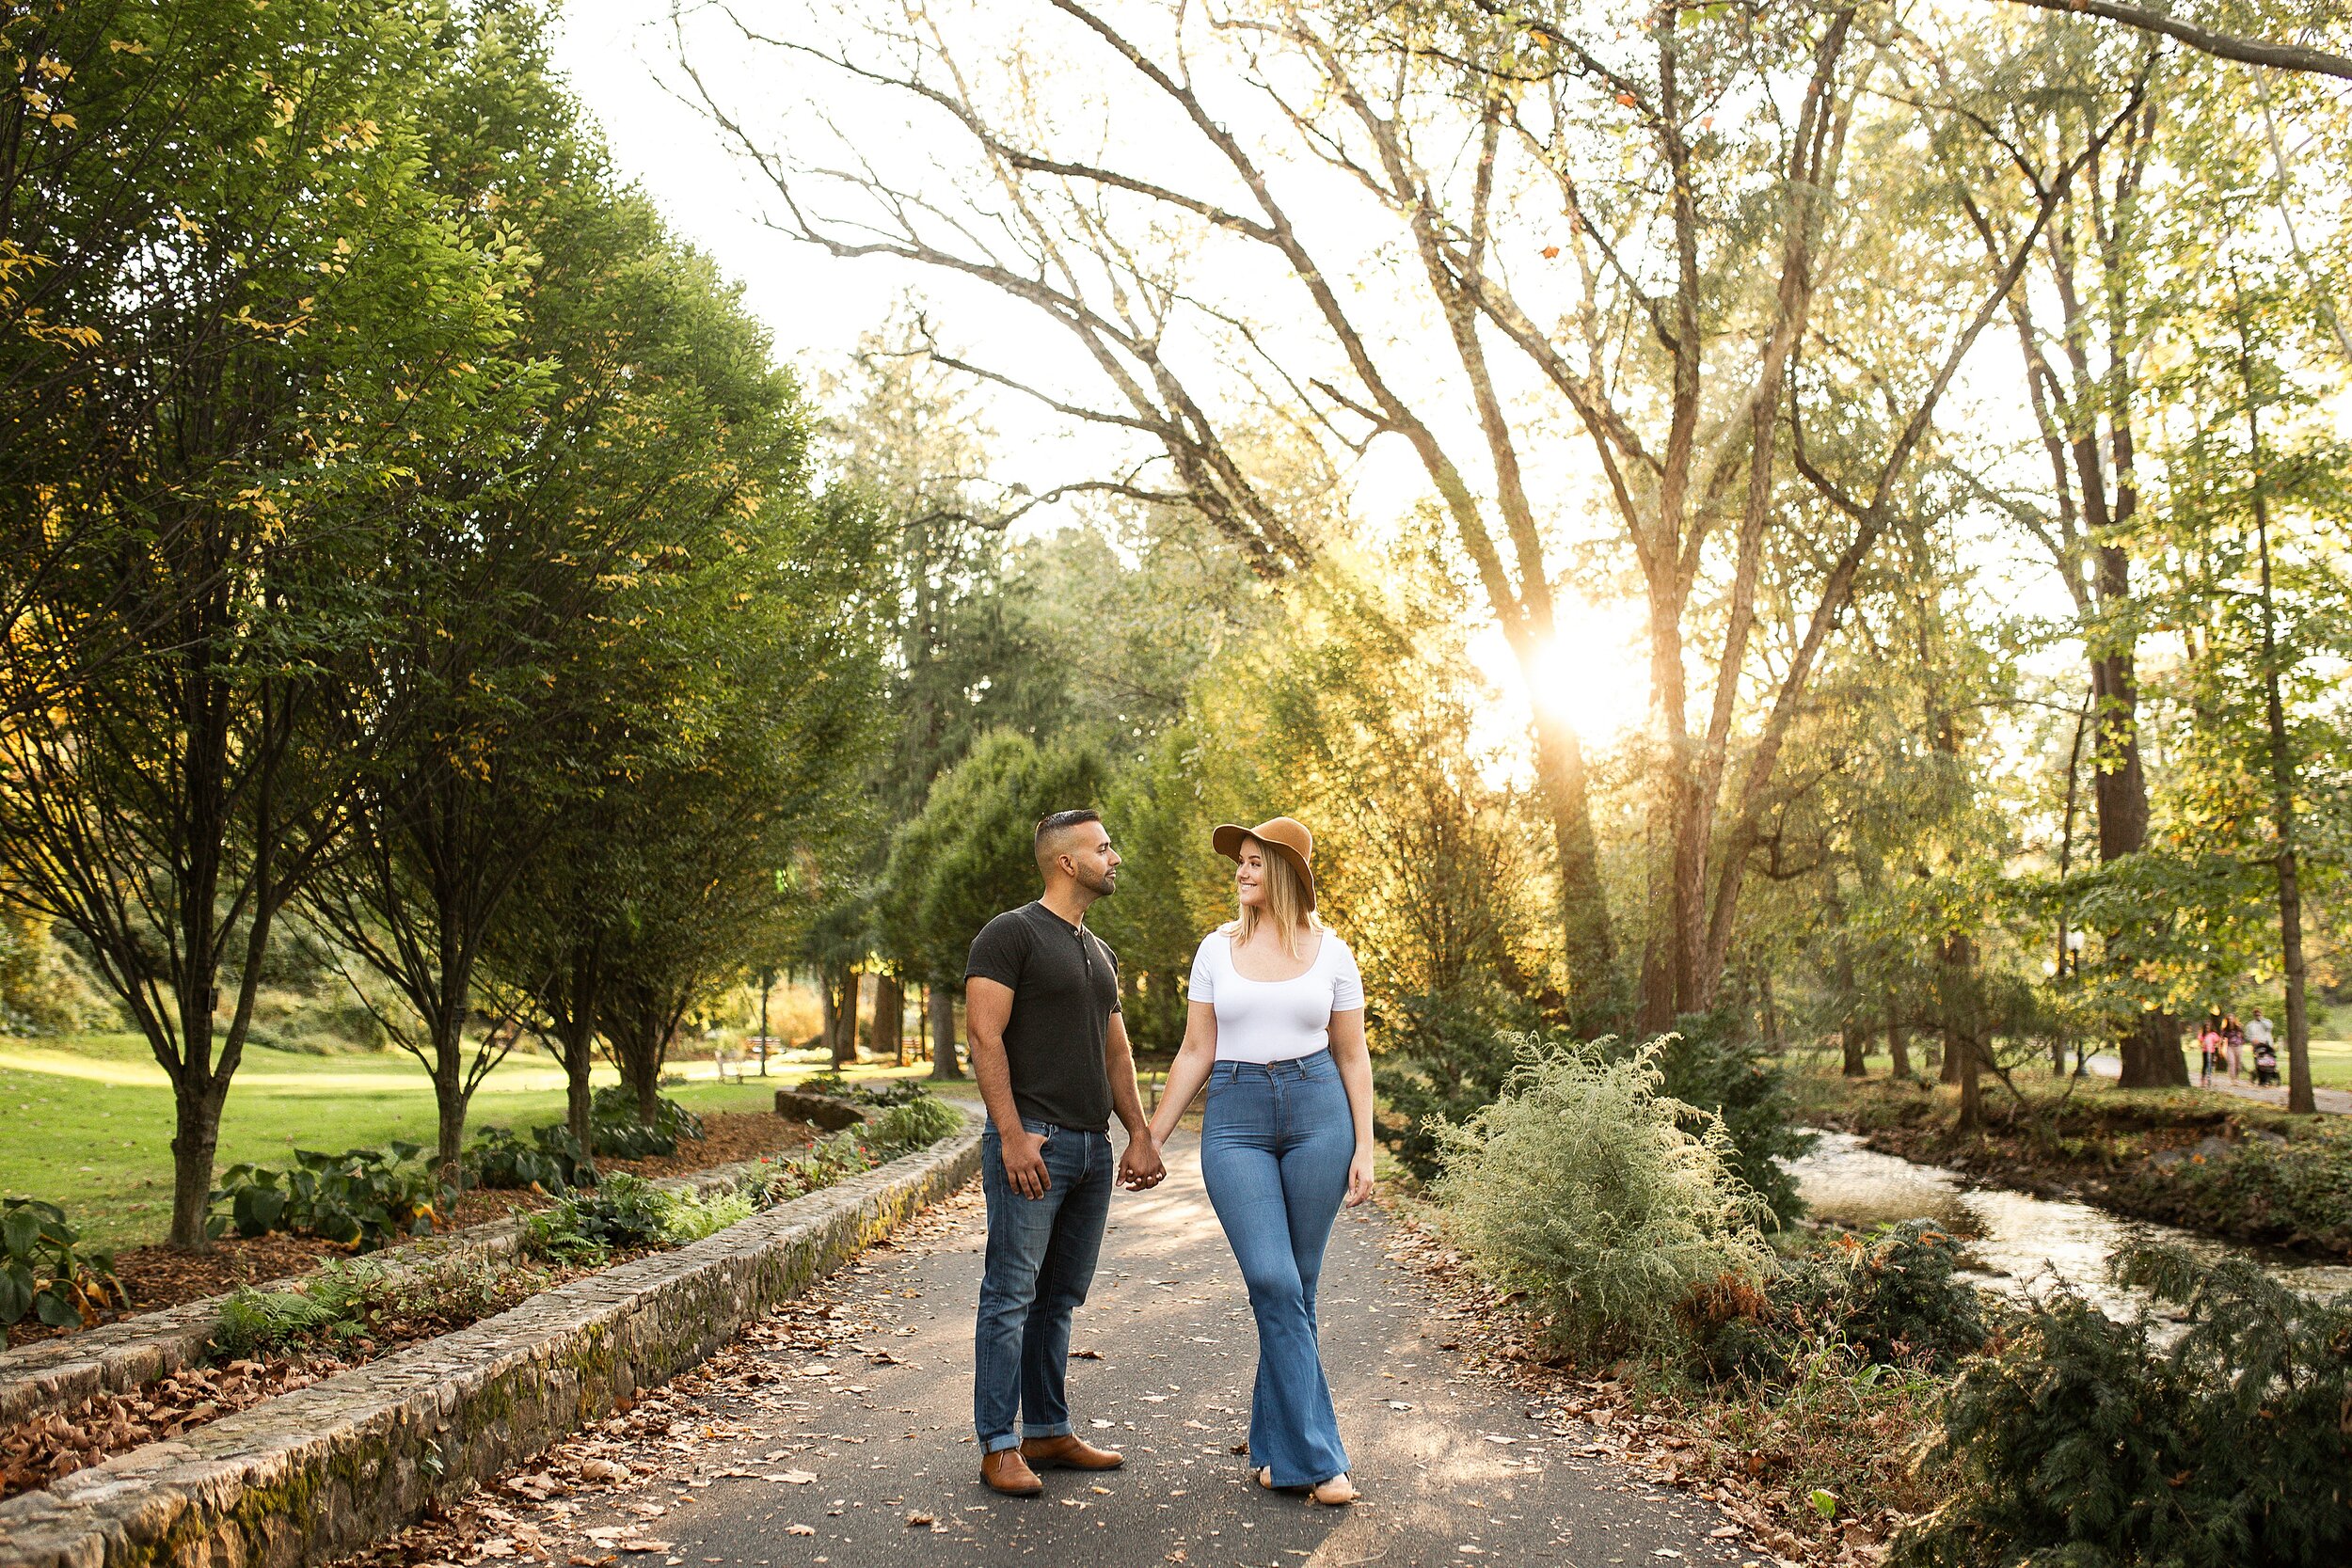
{"type": "Point", "coordinates": [2016, 1242]}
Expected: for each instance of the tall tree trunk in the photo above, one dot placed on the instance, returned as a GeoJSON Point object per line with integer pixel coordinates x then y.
{"type": "Point", "coordinates": [448, 1105]}
{"type": "Point", "coordinates": [881, 1030]}
{"type": "Point", "coordinates": [844, 1041]}
{"type": "Point", "coordinates": [1898, 1049]}
{"type": "Point", "coordinates": [944, 1063]}
{"type": "Point", "coordinates": [195, 1142]}
{"type": "Point", "coordinates": [1963, 1032]}
{"type": "Point", "coordinates": [829, 1012]}
{"type": "Point", "coordinates": [2283, 785]}
{"type": "Point", "coordinates": [640, 1055]}
{"type": "Point", "coordinates": [1590, 945]}
{"type": "Point", "coordinates": [577, 1039]}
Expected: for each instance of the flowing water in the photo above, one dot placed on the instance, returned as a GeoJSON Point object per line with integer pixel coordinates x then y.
{"type": "Point", "coordinates": [2016, 1242]}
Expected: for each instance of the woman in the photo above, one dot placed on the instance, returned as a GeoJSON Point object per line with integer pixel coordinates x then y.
{"type": "Point", "coordinates": [2209, 1048]}
{"type": "Point", "coordinates": [2232, 1044]}
{"type": "Point", "coordinates": [1276, 1028]}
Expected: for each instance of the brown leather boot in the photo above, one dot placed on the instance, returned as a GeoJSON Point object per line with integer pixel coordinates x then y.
{"type": "Point", "coordinates": [1006, 1471]}
{"type": "Point", "coordinates": [1069, 1452]}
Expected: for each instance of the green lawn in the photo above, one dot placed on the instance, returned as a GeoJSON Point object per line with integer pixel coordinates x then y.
{"type": "Point", "coordinates": [89, 1119]}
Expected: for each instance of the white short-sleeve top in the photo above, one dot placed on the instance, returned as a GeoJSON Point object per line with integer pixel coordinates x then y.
{"type": "Point", "coordinates": [1274, 1021]}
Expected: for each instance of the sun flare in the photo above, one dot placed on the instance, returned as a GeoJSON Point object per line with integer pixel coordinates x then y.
{"type": "Point", "coordinates": [1593, 673]}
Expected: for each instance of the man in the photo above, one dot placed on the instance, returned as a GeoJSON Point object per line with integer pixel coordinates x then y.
{"type": "Point", "coordinates": [2262, 1039]}
{"type": "Point", "coordinates": [1050, 1049]}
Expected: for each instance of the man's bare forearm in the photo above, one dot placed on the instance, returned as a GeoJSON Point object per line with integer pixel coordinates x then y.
{"type": "Point", "coordinates": [994, 1073]}
{"type": "Point", "coordinates": [1118, 1060]}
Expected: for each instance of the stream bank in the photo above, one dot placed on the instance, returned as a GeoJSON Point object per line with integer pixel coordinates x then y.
{"type": "Point", "coordinates": [2210, 1164]}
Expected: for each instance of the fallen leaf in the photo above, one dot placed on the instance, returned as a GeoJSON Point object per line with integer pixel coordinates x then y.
{"type": "Point", "coordinates": [799, 1530]}
{"type": "Point", "coordinates": [638, 1546]}
{"type": "Point", "coordinates": [915, 1521]}
{"type": "Point", "coordinates": [792, 1478]}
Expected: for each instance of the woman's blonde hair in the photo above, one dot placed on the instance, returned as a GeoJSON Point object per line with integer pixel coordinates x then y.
{"type": "Point", "coordinates": [1286, 902]}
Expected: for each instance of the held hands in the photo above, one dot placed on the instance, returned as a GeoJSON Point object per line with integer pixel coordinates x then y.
{"type": "Point", "coordinates": [1359, 1178]}
{"type": "Point", "coordinates": [1139, 1168]}
{"type": "Point", "coordinates": [1025, 1162]}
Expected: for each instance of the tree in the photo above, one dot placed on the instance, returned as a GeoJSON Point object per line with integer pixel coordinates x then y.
{"type": "Point", "coordinates": [967, 856]}
{"type": "Point", "coordinates": [285, 337]}
{"type": "Point", "coordinates": [1687, 286]}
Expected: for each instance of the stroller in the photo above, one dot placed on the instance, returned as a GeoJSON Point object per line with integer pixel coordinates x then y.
{"type": "Point", "coordinates": [2265, 1062]}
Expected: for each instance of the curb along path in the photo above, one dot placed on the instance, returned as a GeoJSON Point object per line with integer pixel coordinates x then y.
{"type": "Point", "coordinates": [838, 1433]}
{"type": "Point", "coordinates": [331, 1467]}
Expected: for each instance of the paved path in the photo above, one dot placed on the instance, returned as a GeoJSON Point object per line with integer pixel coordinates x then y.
{"type": "Point", "coordinates": [2337, 1100]}
{"type": "Point", "coordinates": [869, 1399]}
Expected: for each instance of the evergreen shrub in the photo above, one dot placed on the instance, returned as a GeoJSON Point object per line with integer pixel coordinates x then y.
{"type": "Point", "coordinates": [1603, 1197]}
{"type": "Point", "coordinates": [1892, 1297]}
{"type": "Point", "coordinates": [2085, 1443]}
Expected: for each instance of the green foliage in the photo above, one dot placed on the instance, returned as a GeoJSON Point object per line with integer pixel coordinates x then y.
{"type": "Point", "coordinates": [1605, 1201]}
{"type": "Point", "coordinates": [331, 1304]}
{"type": "Point", "coordinates": [2086, 1443]}
{"type": "Point", "coordinates": [1891, 1297]}
{"type": "Point", "coordinates": [363, 1300]}
{"type": "Point", "coordinates": [44, 1272]}
{"type": "Point", "coordinates": [364, 1199]}
{"type": "Point", "coordinates": [888, 1091]}
{"type": "Point", "coordinates": [620, 1133]}
{"type": "Point", "coordinates": [627, 1213]}
{"type": "Point", "coordinates": [912, 1124]}
{"type": "Point", "coordinates": [1712, 1063]}
{"type": "Point", "coordinates": [1439, 1060]}
{"type": "Point", "coordinates": [967, 857]}
{"type": "Point", "coordinates": [549, 1160]}
{"type": "Point", "coordinates": [2296, 1191]}
{"type": "Point", "coordinates": [902, 1129]}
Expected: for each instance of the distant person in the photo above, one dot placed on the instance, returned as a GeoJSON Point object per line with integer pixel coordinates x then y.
{"type": "Point", "coordinates": [2263, 1039]}
{"type": "Point", "coordinates": [1050, 1051]}
{"type": "Point", "coordinates": [2208, 1050]}
{"type": "Point", "coordinates": [1275, 1026]}
{"type": "Point", "coordinates": [2233, 1044]}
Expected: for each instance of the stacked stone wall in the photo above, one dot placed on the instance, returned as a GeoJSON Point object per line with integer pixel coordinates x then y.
{"type": "Point", "coordinates": [318, 1473]}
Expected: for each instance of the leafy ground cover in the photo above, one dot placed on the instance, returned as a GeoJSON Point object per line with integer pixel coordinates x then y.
{"type": "Point", "coordinates": [2205, 1161]}
{"type": "Point", "coordinates": [89, 1119]}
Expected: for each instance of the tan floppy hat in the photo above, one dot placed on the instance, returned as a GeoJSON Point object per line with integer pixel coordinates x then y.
{"type": "Point", "coordinates": [1285, 835]}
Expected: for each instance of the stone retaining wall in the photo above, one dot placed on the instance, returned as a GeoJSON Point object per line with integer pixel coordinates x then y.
{"type": "Point", "coordinates": [118, 1357]}
{"type": "Point", "coordinates": [318, 1473]}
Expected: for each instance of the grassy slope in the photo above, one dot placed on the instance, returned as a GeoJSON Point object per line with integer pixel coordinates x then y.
{"type": "Point", "coordinates": [88, 1120]}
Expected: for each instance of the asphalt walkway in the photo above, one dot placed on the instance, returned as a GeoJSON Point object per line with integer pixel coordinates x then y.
{"type": "Point", "coordinates": [840, 1434]}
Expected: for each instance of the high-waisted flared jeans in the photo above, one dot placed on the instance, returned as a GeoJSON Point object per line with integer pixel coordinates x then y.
{"type": "Point", "coordinates": [1274, 1147]}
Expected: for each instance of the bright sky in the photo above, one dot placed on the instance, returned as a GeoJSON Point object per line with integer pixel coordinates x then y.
{"type": "Point", "coordinates": [618, 54]}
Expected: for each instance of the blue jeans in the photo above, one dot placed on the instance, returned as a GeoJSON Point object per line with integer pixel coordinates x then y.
{"type": "Point", "coordinates": [1275, 1147]}
{"type": "Point", "coordinates": [1040, 1260]}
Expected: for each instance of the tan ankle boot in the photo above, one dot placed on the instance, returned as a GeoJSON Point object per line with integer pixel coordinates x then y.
{"type": "Point", "coordinates": [1069, 1452]}
{"type": "Point", "coordinates": [1006, 1471]}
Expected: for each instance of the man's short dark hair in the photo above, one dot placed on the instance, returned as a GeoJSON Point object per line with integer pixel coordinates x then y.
{"type": "Point", "coordinates": [1052, 826]}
